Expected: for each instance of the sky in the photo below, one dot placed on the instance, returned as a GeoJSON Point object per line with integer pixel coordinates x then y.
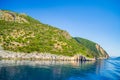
{"type": "Point", "coordinates": [96, 20]}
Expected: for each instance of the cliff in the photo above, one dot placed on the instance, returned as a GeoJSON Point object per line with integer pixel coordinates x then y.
{"type": "Point", "coordinates": [95, 49]}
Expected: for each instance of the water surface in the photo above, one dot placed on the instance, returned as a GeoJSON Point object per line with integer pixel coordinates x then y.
{"type": "Point", "coordinates": [60, 70]}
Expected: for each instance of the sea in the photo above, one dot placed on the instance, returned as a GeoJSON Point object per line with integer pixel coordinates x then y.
{"type": "Point", "coordinates": [108, 69]}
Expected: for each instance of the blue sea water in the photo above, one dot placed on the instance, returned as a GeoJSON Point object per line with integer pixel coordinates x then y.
{"type": "Point", "coordinates": [60, 70]}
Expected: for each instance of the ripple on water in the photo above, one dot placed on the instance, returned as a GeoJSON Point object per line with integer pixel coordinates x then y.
{"type": "Point", "coordinates": [60, 70]}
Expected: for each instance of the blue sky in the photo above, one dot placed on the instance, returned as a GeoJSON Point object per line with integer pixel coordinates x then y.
{"type": "Point", "coordinates": [96, 20]}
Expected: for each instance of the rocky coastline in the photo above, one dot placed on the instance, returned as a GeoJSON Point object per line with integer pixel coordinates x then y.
{"type": "Point", "coordinates": [40, 56]}
{"type": "Point", "coordinates": [9, 55]}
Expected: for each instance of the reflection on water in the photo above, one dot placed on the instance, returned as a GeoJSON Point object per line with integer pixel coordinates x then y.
{"type": "Point", "coordinates": [59, 70]}
{"type": "Point", "coordinates": [40, 63]}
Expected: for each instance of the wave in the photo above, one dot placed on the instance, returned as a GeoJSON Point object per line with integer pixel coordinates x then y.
{"type": "Point", "coordinates": [115, 58]}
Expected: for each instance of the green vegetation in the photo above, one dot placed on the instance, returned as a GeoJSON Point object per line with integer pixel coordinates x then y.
{"type": "Point", "coordinates": [21, 33]}
{"type": "Point", "coordinates": [91, 46]}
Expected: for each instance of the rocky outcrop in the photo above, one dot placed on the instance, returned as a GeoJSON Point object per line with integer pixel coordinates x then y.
{"type": "Point", "coordinates": [102, 51]}
{"type": "Point", "coordinates": [66, 35]}
{"type": "Point", "coordinates": [10, 16]}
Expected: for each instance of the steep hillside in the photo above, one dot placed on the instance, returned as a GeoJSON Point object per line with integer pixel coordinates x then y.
{"type": "Point", "coordinates": [94, 48]}
{"type": "Point", "coordinates": [21, 33]}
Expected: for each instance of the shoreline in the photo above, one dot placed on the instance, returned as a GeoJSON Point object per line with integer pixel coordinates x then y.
{"type": "Point", "coordinates": [8, 55]}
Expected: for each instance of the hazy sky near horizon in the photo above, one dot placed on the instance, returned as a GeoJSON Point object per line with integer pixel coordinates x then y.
{"type": "Point", "coordinates": [96, 20]}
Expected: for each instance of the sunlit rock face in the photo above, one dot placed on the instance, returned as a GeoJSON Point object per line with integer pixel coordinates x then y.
{"type": "Point", "coordinates": [10, 16]}
{"type": "Point", "coordinates": [102, 51]}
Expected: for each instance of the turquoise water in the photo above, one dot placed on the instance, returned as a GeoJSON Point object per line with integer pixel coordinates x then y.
{"type": "Point", "coordinates": [56, 70]}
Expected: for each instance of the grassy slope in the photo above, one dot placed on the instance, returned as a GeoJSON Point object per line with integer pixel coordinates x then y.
{"type": "Point", "coordinates": [38, 37]}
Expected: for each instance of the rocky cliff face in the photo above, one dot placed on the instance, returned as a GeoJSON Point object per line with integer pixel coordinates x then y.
{"type": "Point", "coordinates": [102, 51]}
{"type": "Point", "coordinates": [40, 56]}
